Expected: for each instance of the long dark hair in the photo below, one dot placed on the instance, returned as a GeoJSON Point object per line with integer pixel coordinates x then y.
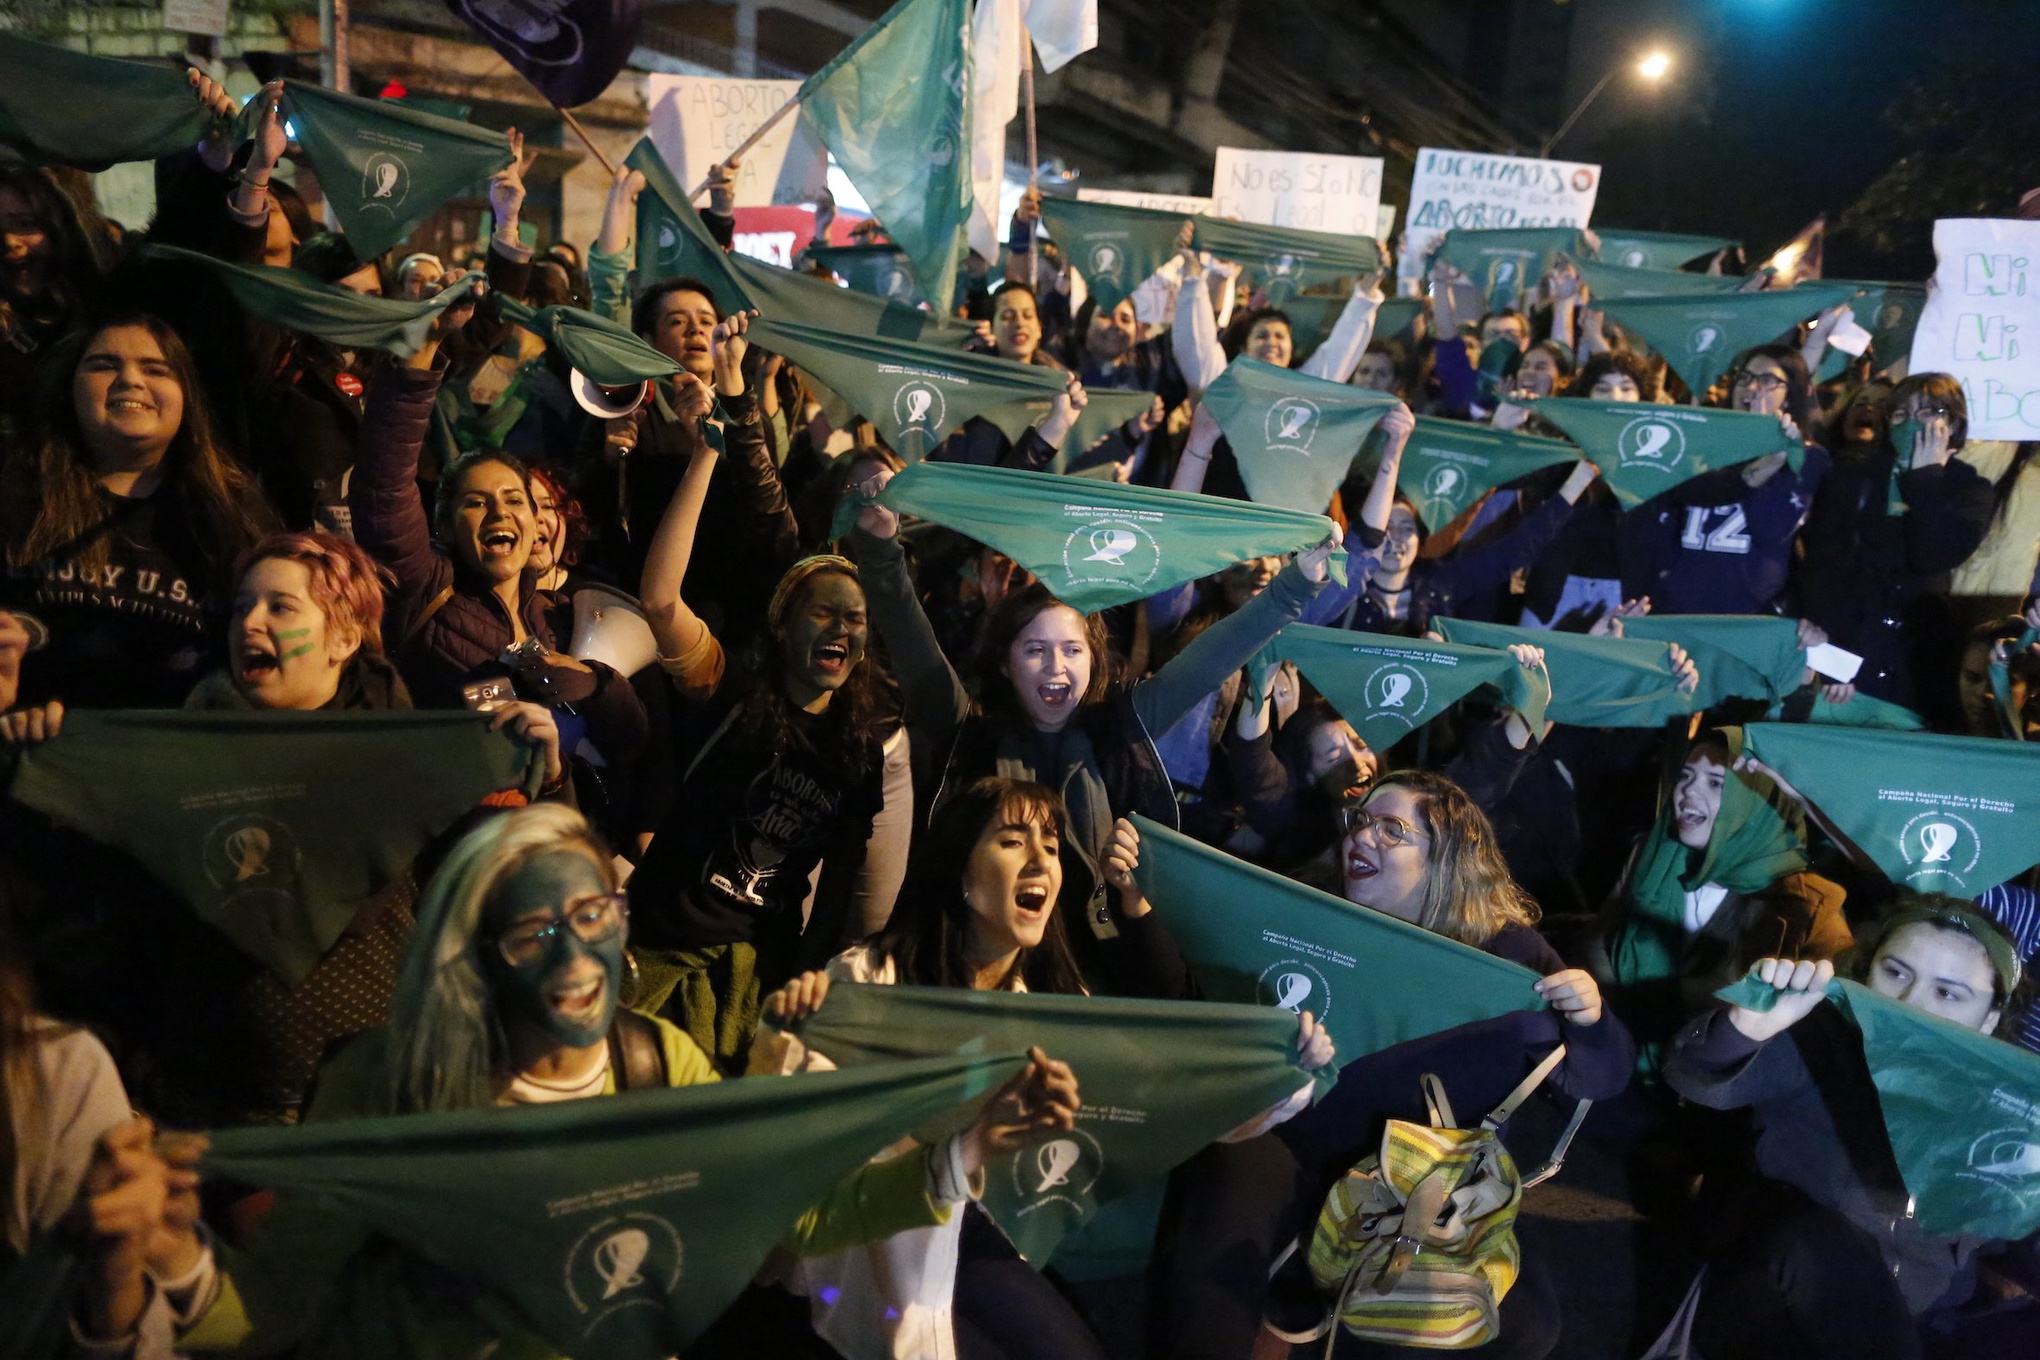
{"type": "Point", "coordinates": [1015, 612]}
{"type": "Point", "coordinates": [1798, 382]}
{"type": "Point", "coordinates": [76, 258]}
{"type": "Point", "coordinates": [928, 936]}
{"type": "Point", "coordinates": [851, 717]}
{"type": "Point", "coordinates": [49, 495]}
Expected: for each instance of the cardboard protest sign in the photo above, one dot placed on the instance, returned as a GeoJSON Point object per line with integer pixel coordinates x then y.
{"type": "Point", "coordinates": [1984, 297]}
{"type": "Point", "coordinates": [1474, 189]}
{"type": "Point", "coordinates": [697, 121]}
{"type": "Point", "coordinates": [1315, 190]}
{"type": "Point", "coordinates": [1183, 205]}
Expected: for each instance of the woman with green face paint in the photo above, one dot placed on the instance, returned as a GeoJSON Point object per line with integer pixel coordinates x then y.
{"type": "Point", "coordinates": [511, 995]}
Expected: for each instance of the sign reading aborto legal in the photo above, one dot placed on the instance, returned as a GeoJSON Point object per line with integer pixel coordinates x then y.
{"type": "Point", "coordinates": [697, 121]}
{"type": "Point", "coordinates": [1462, 189]}
{"type": "Point", "coordinates": [1982, 322]}
{"type": "Point", "coordinates": [1308, 189]}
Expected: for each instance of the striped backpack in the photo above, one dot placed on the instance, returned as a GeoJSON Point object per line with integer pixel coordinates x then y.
{"type": "Point", "coordinates": [1417, 1246]}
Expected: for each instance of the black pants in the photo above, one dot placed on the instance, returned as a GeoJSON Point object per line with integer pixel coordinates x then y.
{"type": "Point", "coordinates": [1005, 1310]}
{"type": "Point", "coordinates": [1806, 1283]}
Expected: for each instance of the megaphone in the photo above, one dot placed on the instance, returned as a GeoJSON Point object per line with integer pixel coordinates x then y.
{"type": "Point", "coordinates": [610, 627]}
{"type": "Point", "coordinates": [608, 402]}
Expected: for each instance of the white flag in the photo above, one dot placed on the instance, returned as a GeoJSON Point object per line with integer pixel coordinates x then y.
{"type": "Point", "coordinates": [997, 46]}
{"type": "Point", "coordinates": [1063, 30]}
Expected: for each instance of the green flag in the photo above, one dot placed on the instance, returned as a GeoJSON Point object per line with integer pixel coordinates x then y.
{"type": "Point", "coordinates": [301, 303]}
{"type": "Point", "coordinates": [1595, 681]}
{"type": "Point", "coordinates": [894, 109]}
{"type": "Point", "coordinates": [1389, 687]}
{"type": "Point", "coordinates": [1285, 261]}
{"type": "Point", "coordinates": [1612, 282]}
{"type": "Point", "coordinates": [1094, 543]}
{"type": "Point", "coordinates": [1105, 410]}
{"type": "Point", "coordinates": [611, 355]}
{"type": "Point", "coordinates": [1891, 313]}
{"type": "Point", "coordinates": [1645, 449]}
{"type": "Point", "coordinates": [1159, 1080]}
{"type": "Point", "coordinates": [883, 271]}
{"type": "Point", "coordinates": [1962, 1110]}
{"type": "Point", "coordinates": [1115, 248]}
{"type": "Point", "coordinates": [1373, 981]}
{"type": "Point", "coordinates": [915, 394]}
{"type": "Point", "coordinates": [67, 108]}
{"type": "Point", "coordinates": [1295, 436]}
{"type": "Point", "coordinates": [1449, 464]}
{"type": "Point", "coordinates": [385, 167]}
{"type": "Point", "coordinates": [274, 826]}
{"type": "Point", "coordinates": [1744, 656]}
{"type": "Point", "coordinates": [1700, 337]}
{"type": "Point", "coordinates": [1656, 249]}
{"type": "Point", "coordinates": [1937, 814]}
{"type": "Point", "coordinates": [1505, 263]}
{"type": "Point", "coordinates": [618, 1227]}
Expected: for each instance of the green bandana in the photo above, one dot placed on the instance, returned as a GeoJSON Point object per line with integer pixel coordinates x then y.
{"type": "Point", "coordinates": [1389, 687]}
{"type": "Point", "coordinates": [894, 109]}
{"type": "Point", "coordinates": [1936, 814]}
{"type": "Point", "coordinates": [1115, 248]}
{"type": "Point", "coordinates": [275, 827]}
{"type": "Point", "coordinates": [1656, 249]}
{"type": "Point", "coordinates": [916, 394]}
{"type": "Point", "coordinates": [1744, 656]}
{"type": "Point", "coordinates": [1105, 410]}
{"type": "Point", "coordinates": [1701, 337]}
{"type": "Point", "coordinates": [1159, 1081]}
{"type": "Point", "coordinates": [1285, 261]}
{"type": "Point", "coordinates": [1096, 544]}
{"type": "Point", "coordinates": [1613, 283]}
{"type": "Point", "coordinates": [66, 108]}
{"type": "Point", "coordinates": [1506, 263]}
{"type": "Point", "coordinates": [1860, 711]}
{"type": "Point", "coordinates": [1644, 449]}
{"type": "Point", "coordinates": [1595, 681]}
{"type": "Point", "coordinates": [1891, 313]}
{"type": "Point", "coordinates": [301, 303]}
{"type": "Point", "coordinates": [620, 1226]}
{"type": "Point", "coordinates": [1295, 436]}
{"type": "Point", "coordinates": [1759, 837]}
{"type": "Point", "coordinates": [611, 355]}
{"type": "Point", "coordinates": [1449, 464]}
{"type": "Point", "coordinates": [1372, 980]}
{"type": "Point", "coordinates": [1312, 319]}
{"type": "Point", "coordinates": [883, 271]}
{"type": "Point", "coordinates": [1962, 1110]}
{"type": "Point", "coordinates": [383, 167]}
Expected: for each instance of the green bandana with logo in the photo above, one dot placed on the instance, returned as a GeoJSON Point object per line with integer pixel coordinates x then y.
{"type": "Point", "coordinates": [385, 167]}
{"type": "Point", "coordinates": [1105, 410]}
{"type": "Point", "coordinates": [1447, 465]}
{"type": "Point", "coordinates": [1743, 656]}
{"type": "Point", "coordinates": [1656, 249]}
{"type": "Point", "coordinates": [1941, 814]}
{"type": "Point", "coordinates": [1595, 681]}
{"type": "Point", "coordinates": [894, 109]}
{"type": "Point", "coordinates": [1159, 1080]}
{"type": "Point", "coordinates": [1295, 436]}
{"type": "Point", "coordinates": [67, 108]}
{"type": "Point", "coordinates": [672, 240]}
{"type": "Point", "coordinates": [274, 826]}
{"type": "Point", "coordinates": [1505, 263]}
{"type": "Point", "coordinates": [1096, 544]}
{"type": "Point", "coordinates": [1891, 313]}
{"type": "Point", "coordinates": [301, 303]}
{"type": "Point", "coordinates": [1115, 248]}
{"type": "Point", "coordinates": [1962, 1110]}
{"type": "Point", "coordinates": [1644, 449]}
{"type": "Point", "coordinates": [1285, 261]}
{"type": "Point", "coordinates": [611, 355]}
{"type": "Point", "coordinates": [1374, 981]}
{"type": "Point", "coordinates": [1389, 687]}
{"type": "Point", "coordinates": [619, 1226]}
{"type": "Point", "coordinates": [1613, 283]}
{"type": "Point", "coordinates": [1701, 337]}
{"type": "Point", "coordinates": [916, 394]}
{"type": "Point", "coordinates": [883, 271]}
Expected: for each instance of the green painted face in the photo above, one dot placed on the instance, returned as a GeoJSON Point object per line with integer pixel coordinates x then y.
{"type": "Point", "coordinates": [562, 984]}
{"type": "Point", "coordinates": [826, 634]}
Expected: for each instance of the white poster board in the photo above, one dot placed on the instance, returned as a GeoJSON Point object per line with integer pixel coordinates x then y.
{"type": "Point", "coordinates": [208, 17]}
{"type": "Point", "coordinates": [697, 121]}
{"type": "Point", "coordinates": [1981, 322]}
{"type": "Point", "coordinates": [1186, 204]}
{"type": "Point", "coordinates": [1476, 190]}
{"type": "Point", "coordinates": [1308, 189]}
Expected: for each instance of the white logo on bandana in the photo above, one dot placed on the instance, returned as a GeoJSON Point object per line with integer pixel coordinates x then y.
{"type": "Point", "coordinates": [1295, 986]}
{"type": "Point", "coordinates": [1651, 442]}
{"type": "Point", "coordinates": [633, 1260]}
{"type": "Point", "coordinates": [1291, 424]}
{"type": "Point", "coordinates": [1940, 844]}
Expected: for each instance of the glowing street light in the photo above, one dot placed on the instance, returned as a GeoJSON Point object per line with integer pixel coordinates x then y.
{"type": "Point", "coordinates": [1652, 67]}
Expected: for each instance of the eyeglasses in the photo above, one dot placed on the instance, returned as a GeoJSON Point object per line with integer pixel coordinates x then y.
{"type": "Point", "coordinates": [1761, 382]}
{"type": "Point", "coordinates": [1392, 832]}
{"type": "Point", "coordinates": [594, 920]}
{"type": "Point", "coordinates": [1921, 413]}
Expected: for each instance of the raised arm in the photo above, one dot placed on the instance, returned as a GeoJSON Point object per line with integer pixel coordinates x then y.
{"type": "Point", "coordinates": [1163, 698]}
{"type": "Point", "coordinates": [935, 699]}
{"type": "Point", "coordinates": [1194, 336]}
{"type": "Point", "coordinates": [686, 648]}
{"type": "Point", "coordinates": [609, 262]}
{"type": "Point", "coordinates": [1339, 355]}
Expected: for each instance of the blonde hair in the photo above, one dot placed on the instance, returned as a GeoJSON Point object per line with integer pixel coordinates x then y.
{"type": "Point", "coordinates": [1469, 894]}
{"type": "Point", "coordinates": [446, 1039]}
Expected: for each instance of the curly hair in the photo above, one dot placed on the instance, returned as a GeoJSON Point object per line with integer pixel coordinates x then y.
{"type": "Point", "coordinates": [346, 583]}
{"type": "Point", "coordinates": [1626, 361]}
{"type": "Point", "coordinates": [852, 717]}
{"type": "Point", "coordinates": [574, 532]}
{"type": "Point", "coordinates": [1469, 894]}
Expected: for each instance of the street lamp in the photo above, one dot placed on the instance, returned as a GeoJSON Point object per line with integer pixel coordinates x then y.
{"type": "Point", "coordinates": [1652, 67]}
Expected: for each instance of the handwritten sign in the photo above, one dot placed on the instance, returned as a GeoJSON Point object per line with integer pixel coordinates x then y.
{"type": "Point", "coordinates": [1318, 192]}
{"type": "Point", "coordinates": [1982, 322]}
{"type": "Point", "coordinates": [697, 121]}
{"type": "Point", "coordinates": [196, 16]}
{"type": "Point", "coordinates": [1187, 204]}
{"type": "Point", "coordinates": [1474, 189]}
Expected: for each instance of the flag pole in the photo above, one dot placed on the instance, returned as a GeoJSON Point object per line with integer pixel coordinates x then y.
{"type": "Point", "coordinates": [1033, 155]}
{"type": "Point", "coordinates": [756, 137]}
{"type": "Point", "coordinates": [586, 140]}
